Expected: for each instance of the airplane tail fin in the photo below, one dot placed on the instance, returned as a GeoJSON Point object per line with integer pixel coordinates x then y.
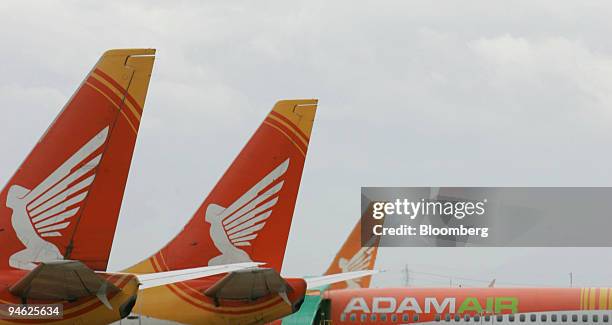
{"type": "Point", "coordinates": [247, 215]}
{"type": "Point", "coordinates": [63, 202]}
{"type": "Point", "coordinates": [353, 257]}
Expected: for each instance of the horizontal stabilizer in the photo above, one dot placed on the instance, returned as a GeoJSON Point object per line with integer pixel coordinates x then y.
{"type": "Point", "coordinates": [150, 280]}
{"type": "Point", "coordinates": [319, 281]}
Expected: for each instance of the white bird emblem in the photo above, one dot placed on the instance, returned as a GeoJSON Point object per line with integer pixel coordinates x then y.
{"type": "Point", "coordinates": [359, 262]}
{"type": "Point", "coordinates": [47, 209]}
{"type": "Point", "coordinates": [238, 224]}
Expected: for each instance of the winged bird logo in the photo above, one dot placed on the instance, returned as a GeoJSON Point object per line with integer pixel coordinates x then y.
{"type": "Point", "coordinates": [46, 210]}
{"type": "Point", "coordinates": [359, 262]}
{"type": "Point", "coordinates": [238, 224]}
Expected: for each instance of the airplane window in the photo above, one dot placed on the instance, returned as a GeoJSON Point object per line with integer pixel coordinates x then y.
{"type": "Point", "coordinates": [500, 318]}
{"type": "Point", "coordinates": [466, 317]}
{"type": "Point", "coordinates": [457, 318]}
{"type": "Point", "coordinates": [487, 318]}
{"type": "Point", "coordinates": [353, 317]}
{"type": "Point", "coordinates": [394, 318]}
{"type": "Point", "coordinates": [447, 317]}
{"type": "Point", "coordinates": [574, 318]}
{"type": "Point", "coordinates": [405, 317]}
{"type": "Point", "coordinates": [553, 317]}
{"type": "Point", "coordinates": [511, 317]}
{"type": "Point", "coordinates": [585, 318]}
{"type": "Point", "coordinates": [477, 318]}
{"type": "Point", "coordinates": [343, 317]}
{"type": "Point", "coordinates": [606, 318]}
{"type": "Point", "coordinates": [373, 317]}
{"type": "Point", "coordinates": [564, 318]}
{"type": "Point", "coordinates": [383, 317]}
{"type": "Point", "coordinates": [522, 317]}
{"type": "Point", "coordinates": [415, 317]}
{"type": "Point", "coordinates": [595, 318]}
{"type": "Point", "coordinates": [364, 317]}
{"type": "Point", "coordinates": [532, 317]}
{"type": "Point", "coordinates": [543, 318]}
{"type": "Point", "coordinates": [437, 317]}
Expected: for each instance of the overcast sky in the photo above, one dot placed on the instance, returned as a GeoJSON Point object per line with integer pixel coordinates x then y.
{"type": "Point", "coordinates": [412, 93]}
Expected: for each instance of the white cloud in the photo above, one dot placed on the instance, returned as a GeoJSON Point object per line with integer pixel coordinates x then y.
{"type": "Point", "coordinates": [552, 65]}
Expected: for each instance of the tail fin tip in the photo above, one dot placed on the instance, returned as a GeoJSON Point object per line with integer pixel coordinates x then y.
{"type": "Point", "coordinates": [300, 112]}
{"type": "Point", "coordinates": [129, 52]}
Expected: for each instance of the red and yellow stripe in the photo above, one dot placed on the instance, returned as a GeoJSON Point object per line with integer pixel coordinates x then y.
{"type": "Point", "coordinates": [117, 96]}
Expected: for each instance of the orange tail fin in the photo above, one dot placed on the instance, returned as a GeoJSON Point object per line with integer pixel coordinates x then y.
{"type": "Point", "coordinates": [353, 257]}
{"type": "Point", "coordinates": [63, 202]}
{"type": "Point", "coordinates": [248, 214]}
